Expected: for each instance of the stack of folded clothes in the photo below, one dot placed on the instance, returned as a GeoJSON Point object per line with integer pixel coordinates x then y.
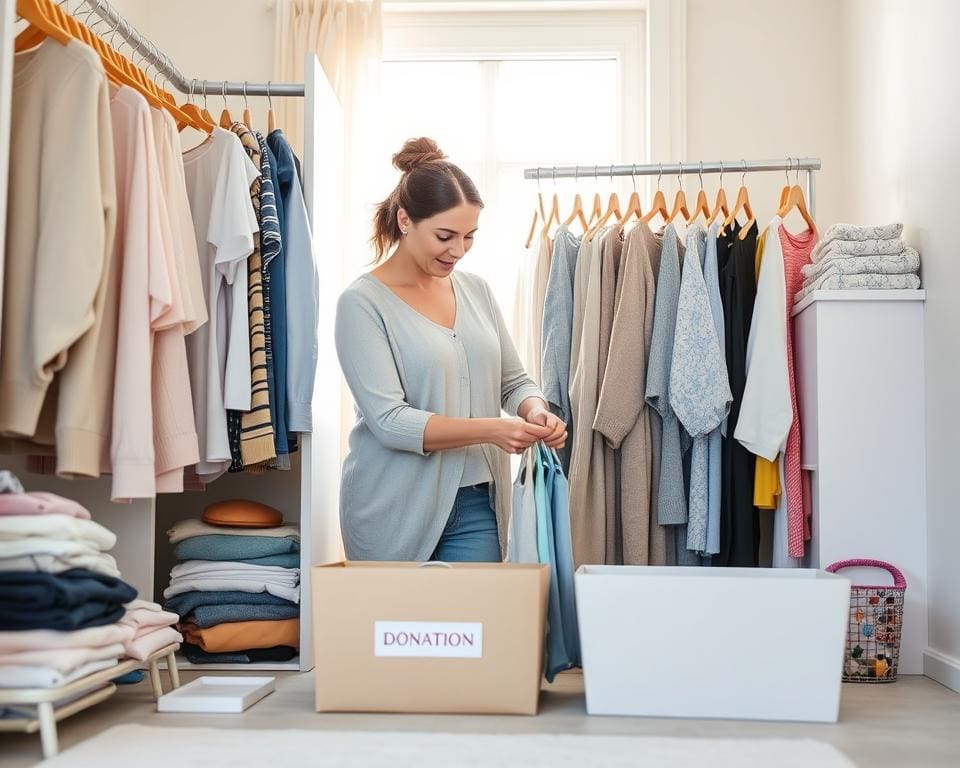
{"type": "Point", "coordinates": [64, 611]}
{"type": "Point", "coordinates": [236, 585]}
{"type": "Point", "coordinates": [855, 258]}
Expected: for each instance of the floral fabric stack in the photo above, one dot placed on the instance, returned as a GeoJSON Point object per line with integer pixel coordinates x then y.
{"type": "Point", "coordinates": [855, 258]}
{"type": "Point", "coordinates": [237, 584]}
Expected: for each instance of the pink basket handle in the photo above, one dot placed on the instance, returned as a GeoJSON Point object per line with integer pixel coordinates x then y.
{"type": "Point", "coordinates": [899, 582]}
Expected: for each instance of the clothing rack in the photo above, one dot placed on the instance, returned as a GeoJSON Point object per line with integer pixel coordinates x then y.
{"type": "Point", "coordinates": [808, 164]}
{"type": "Point", "coordinates": [159, 61]}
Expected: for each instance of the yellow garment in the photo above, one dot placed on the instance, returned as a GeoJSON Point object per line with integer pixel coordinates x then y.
{"type": "Point", "coordinates": [243, 635]}
{"type": "Point", "coordinates": [766, 482]}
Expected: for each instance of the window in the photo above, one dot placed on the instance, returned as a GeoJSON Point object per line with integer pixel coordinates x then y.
{"type": "Point", "coordinates": [504, 92]}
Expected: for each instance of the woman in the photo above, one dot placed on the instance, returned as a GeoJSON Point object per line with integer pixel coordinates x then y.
{"type": "Point", "coordinates": [430, 364]}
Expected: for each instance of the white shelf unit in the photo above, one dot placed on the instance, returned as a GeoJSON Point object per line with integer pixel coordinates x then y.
{"type": "Point", "coordinates": [860, 388]}
{"type": "Point", "coordinates": [309, 493]}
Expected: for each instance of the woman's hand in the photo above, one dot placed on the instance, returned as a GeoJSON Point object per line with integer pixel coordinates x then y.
{"type": "Point", "coordinates": [542, 417]}
{"type": "Point", "coordinates": [515, 435]}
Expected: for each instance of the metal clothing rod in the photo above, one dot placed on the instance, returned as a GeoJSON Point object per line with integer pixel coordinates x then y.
{"type": "Point", "coordinates": [671, 169]}
{"type": "Point", "coordinates": [146, 51]}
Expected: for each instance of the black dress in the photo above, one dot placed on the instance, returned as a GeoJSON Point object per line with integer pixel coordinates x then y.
{"type": "Point", "coordinates": [739, 519]}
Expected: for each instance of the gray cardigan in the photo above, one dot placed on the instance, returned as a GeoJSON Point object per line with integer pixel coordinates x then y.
{"type": "Point", "coordinates": [402, 368]}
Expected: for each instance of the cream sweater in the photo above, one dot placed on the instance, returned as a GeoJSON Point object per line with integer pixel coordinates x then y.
{"type": "Point", "coordinates": [59, 304]}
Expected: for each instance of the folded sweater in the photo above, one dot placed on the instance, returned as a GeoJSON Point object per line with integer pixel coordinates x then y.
{"type": "Point", "coordinates": [196, 655]}
{"type": "Point", "coordinates": [145, 620]}
{"type": "Point", "coordinates": [145, 645]}
{"type": "Point", "coordinates": [99, 562]}
{"type": "Point", "coordinates": [860, 282]}
{"type": "Point", "coordinates": [37, 639]}
{"type": "Point", "coordinates": [40, 503]}
{"type": "Point", "coordinates": [186, 602]}
{"type": "Point", "coordinates": [186, 529]}
{"type": "Point", "coordinates": [902, 263]}
{"type": "Point", "coordinates": [232, 569]}
{"type": "Point", "coordinates": [204, 616]}
{"type": "Point", "coordinates": [70, 600]}
{"type": "Point", "coordinates": [47, 677]}
{"type": "Point", "coordinates": [58, 526]}
{"type": "Point", "coordinates": [243, 635]}
{"type": "Point", "coordinates": [855, 232]}
{"type": "Point", "coordinates": [207, 583]}
{"type": "Point", "coordinates": [63, 660]}
{"type": "Point", "coordinates": [220, 547]}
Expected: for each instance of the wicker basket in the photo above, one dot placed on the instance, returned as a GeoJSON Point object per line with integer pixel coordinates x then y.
{"type": "Point", "coordinates": [876, 618]}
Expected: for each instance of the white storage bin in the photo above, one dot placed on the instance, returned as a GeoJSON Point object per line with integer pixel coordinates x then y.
{"type": "Point", "coordinates": [745, 643]}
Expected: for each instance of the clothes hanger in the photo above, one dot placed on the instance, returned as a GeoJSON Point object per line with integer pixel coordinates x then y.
{"type": "Point", "coordinates": [272, 120]}
{"type": "Point", "coordinates": [225, 118]}
{"type": "Point", "coordinates": [679, 200]}
{"type": "Point", "coordinates": [720, 206]}
{"type": "Point", "coordinates": [194, 113]}
{"type": "Point", "coordinates": [596, 210]}
{"type": "Point", "coordinates": [633, 204]}
{"type": "Point", "coordinates": [742, 203]}
{"type": "Point", "coordinates": [702, 206]}
{"type": "Point", "coordinates": [613, 208]}
{"type": "Point", "coordinates": [248, 121]}
{"type": "Point", "coordinates": [206, 112]}
{"type": "Point", "coordinates": [785, 192]}
{"type": "Point", "coordinates": [659, 204]}
{"type": "Point", "coordinates": [797, 200]}
{"type": "Point", "coordinates": [553, 217]}
{"type": "Point", "coordinates": [42, 24]}
{"type": "Point", "coordinates": [539, 211]}
{"type": "Point", "coordinates": [577, 212]}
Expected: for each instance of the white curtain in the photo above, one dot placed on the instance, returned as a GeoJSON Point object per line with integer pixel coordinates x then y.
{"type": "Point", "coordinates": [347, 36]}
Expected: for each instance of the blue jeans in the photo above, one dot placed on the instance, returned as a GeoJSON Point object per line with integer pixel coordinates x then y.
{"type": "Point", "coordinates": [471, 532]}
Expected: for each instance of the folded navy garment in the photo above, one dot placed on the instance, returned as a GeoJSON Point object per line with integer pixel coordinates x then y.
{"type": "Point", "coordinates": [186, 602]}
{"type": "Point", "coordinates": [196, 655]}
{"type": "Point", "coordinates": [218, 546]}
{"type": "Point", "coordinates": [282, 561]}
{"type": "Point", "coordinates": [210, 615]}
{"type": "Point", "coordinates": [74, 599]}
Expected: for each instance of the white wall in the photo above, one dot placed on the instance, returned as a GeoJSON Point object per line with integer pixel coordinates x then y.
{"type": "Point", "coordinates": [762, 83]}
{"type": "Point", "coordinates": [901, 125]}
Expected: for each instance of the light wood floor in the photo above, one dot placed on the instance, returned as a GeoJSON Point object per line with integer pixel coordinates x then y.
{"type": "Point", "coordinates": [911, 723]}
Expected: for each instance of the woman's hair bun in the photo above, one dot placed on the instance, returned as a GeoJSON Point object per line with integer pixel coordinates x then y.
{"type": "Point", "coordinates": [417, 152]}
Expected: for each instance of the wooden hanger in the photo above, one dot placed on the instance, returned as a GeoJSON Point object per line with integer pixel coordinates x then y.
{"type": "Point", "coordinates": [539, 212]}
{"type": "Point", "coordinates": [659, 204]}
{"type": "Point", "coordinates": [553, 215]}
{"type": "Point", "coordinates": [633, 205]}
{"type": "Point", "coordinates": [596, 210]}
{"type": "Point", "coordinates": [226, 120]}
{"type": "Point", "coordinates": [742, 203]}
{"type": "Point", "coordinates": [613, 208]}
{"type": "Point", "coordinates": [785, 191]}
{"type": "Point", "coordinates": [48, 19]}
{"type": "Point", "coordinates": [702, 206]}
{"type": "Point", "coordinates": [248, 121]}
{"type": "Point", "coordinates": [796, 200]}
{"type": "Point", "coordinates": [576, 214]}
{"type": "Point", "coordinates": [720, 206]}
{"type": "Point", "coordinates": [195, 114]}
{"type": "Point", "coordinates": [206, 112]}
{"type": "Point", "coordinates": [679, 200]}
{"type": "Point", "coordinates": [272, 123]}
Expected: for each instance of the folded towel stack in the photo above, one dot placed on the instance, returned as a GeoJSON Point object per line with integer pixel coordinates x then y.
{"type": "Point", "coordinates": [236, 585]}
{"type": "Point", "coordinates": [64, 611]}
{"type": "Point", "coordinates": [854, 257]}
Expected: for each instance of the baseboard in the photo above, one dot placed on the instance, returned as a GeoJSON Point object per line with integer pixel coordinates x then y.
{"type": "Point", "coordinates": [942, 668]}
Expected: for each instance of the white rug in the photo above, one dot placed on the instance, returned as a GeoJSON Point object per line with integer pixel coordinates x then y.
{"type": "Point", "coordinates": [139, 746]}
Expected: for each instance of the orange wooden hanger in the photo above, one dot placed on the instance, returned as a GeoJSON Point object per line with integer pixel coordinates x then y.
{"type": "Point", "coordinates": [633, 204]}
{"type": "Point", "coordinates": [796, 200]}
{"type": "Point", "coordinates": [272, 124]}
{"type": "Point", "coordinates": [742, 203]}
{"type": "Point", "coordinates": [248, 121]}
{"type": "Point", "coordinates": [720, 206]}
{"type": "Point", "coordinates": [226, 120]}
{"type": "Point", "coordinates": [659, 204]}
{"type": "Point", "coordinates": [195, 114]}
{"type": "Point", "coordinates": [679, 200]}
{"type": "Point", "coordinates": [702, 206]}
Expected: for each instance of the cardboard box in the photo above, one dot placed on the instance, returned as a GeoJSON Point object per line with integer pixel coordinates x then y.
{"type": "Point", "coordinates": [746, 643]}
{"type": "Point", "coordinates": [411, 637]}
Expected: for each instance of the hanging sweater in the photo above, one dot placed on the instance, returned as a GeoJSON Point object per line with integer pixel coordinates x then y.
{"type": "Point", "coordinates": [59, 307]}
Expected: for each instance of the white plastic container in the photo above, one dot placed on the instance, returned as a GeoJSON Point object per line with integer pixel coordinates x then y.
{"type": "Point", "coordinates": [230, 695]}
{"type": "Point", "coordinates": [733, 643]}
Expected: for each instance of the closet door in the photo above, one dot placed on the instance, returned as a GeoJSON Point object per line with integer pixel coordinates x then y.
{"type": "Point", "coordinates": [323, 179]}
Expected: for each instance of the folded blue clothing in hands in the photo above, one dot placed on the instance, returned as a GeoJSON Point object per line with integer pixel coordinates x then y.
{"type": "Point", "coordinates": [186, 602]}
{"type": "Point", "coordinates": [205, 616]}
{"type": "Point", "coordinates": [227, 547]}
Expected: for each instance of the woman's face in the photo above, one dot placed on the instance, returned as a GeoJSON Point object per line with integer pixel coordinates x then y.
{"type": "Point", "coordinates": [438, 243]}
